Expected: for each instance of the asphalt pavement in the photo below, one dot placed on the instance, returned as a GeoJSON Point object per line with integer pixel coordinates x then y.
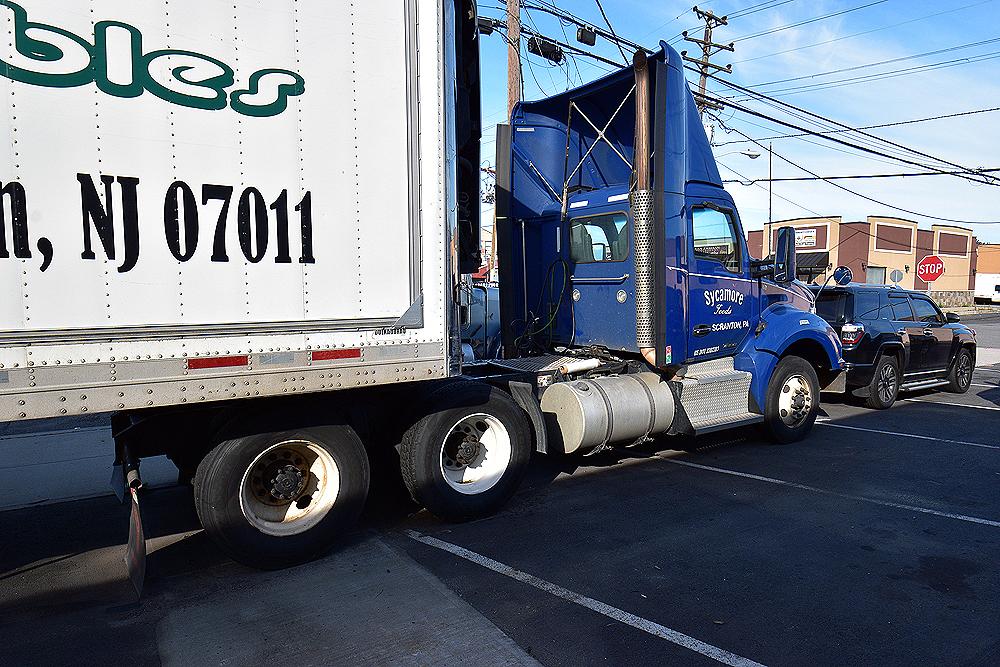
{"type": "Point", "coordinates": [875, 541]}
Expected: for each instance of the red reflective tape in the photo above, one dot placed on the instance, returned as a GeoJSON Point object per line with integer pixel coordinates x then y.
{"type": "Point", "coordinates": [218, 362]}
{"type": "Point", "coordinates": [330, 355]}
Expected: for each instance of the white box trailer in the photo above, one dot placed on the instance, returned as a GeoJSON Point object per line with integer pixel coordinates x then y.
{"type": "Point", "coordinates": [194, 193]}
{"type": "Point", "coordinates": [205, 203]}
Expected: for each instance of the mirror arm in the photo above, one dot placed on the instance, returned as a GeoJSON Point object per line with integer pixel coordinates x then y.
{"type": "Point", "coordinates": [761, 268]}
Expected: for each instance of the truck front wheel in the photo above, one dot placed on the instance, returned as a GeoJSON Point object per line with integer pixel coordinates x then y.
{"type": "Point", "coordinates": [466, 457]}
{"type": "Point", "coordinates": [273, 500]}
{"type": "Point", "coordinates": [792, 400]}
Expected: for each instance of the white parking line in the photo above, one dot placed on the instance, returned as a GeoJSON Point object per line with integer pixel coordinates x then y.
{"type": "Point", "coordinates": [806, 487]}
{"type": "Point", "coordinates": [952, 403]}
{"type": "Point", "coordinates": [988, 386]}
{"type": "Point", "coordinates": [637, 622]}
{"type": "Point", "coordinates": [827, 422]}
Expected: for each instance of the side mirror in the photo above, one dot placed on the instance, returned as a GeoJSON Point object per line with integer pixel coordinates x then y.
{"type": "Point", "coordinates": [952, 318]}
{"type": "Point", "coordinates": [784, 256]}
{"type": "Point", "coordinates": [843, 275]}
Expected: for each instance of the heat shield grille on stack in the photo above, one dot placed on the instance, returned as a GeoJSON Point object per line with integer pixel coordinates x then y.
{"type": "Point", "coordinates": [641, 202]}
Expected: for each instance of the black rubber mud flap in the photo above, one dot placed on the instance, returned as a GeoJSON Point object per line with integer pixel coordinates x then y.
{"type": "Point", "coordinates": [135, 552]}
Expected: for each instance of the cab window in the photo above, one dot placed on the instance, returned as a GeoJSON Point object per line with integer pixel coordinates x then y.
{"type": "Point", "coordinates": [716, 237]}
{"type": "Point", "coordinates": [926, 311]}
{"type": "Point", "coordinates": [599, 238]}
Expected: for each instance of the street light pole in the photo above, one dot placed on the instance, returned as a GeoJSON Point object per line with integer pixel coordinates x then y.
{"type": "Point", "coordinates": [770, 190]}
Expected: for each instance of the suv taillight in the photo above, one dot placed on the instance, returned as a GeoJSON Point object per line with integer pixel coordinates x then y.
{"type": "Point", "coordinates": [851, 334]}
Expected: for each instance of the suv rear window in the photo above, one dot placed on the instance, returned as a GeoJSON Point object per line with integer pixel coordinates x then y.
{"type": "Point", "coordinates": [833, 306]}
{"type": "Point", "coordinates": [866, 305]}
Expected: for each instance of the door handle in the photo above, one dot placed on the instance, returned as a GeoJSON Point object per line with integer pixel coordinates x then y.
{"type": "Point", "coordinates": [702, 330]}
{"type": "Point", "coordinates": [600, 279]}
{"type": "Point", "coordinates": [901, 332]}
{"type": "Point", "coordinates": [928, 332]}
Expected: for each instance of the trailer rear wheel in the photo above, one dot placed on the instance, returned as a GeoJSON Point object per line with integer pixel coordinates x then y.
{"type": "Point", "coordinates": [278, 499]}
{"type": "Point", "coordinates": [466, 458]}
{"type": "Point", "coordinates": [792, 400]}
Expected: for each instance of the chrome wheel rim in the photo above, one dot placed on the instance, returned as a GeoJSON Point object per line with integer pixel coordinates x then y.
{"type": "Point", "coordinates": [887, 383]}
{"type": "Point", "coordinates": [475, 454]}
{"type": "Point", "coordinates": [795, 400]}
{"type": "Point", "coordinates": [289, 488]}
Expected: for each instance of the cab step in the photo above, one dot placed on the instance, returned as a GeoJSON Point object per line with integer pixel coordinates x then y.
{"type": "Point", "coordinates": [720, 423]}
{"type": "Point", "coordinates": [714, 395]}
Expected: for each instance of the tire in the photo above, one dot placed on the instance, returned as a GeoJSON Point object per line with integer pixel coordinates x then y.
{"type": "Point", "coordinates": [960, 376]}
{"type": "Point", "coordinates": [884, 387]}
{"type": "Point", "coordinates": [466, 457]}
{"type": "Point", "coordinates": [790, 419]}
{"type": "Point", "coordinates": [322, 478]}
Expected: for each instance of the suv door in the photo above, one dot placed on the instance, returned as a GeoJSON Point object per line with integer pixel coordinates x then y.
{"type": "Point", "coordinates": [911, 331]}
{"type": "Point", "coordinates": [939, 336]}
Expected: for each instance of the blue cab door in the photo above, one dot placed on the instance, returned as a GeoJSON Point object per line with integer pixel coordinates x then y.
{"type": "Point", "coordinates": [602, 277]}
{"type": "Point", "coordinates": [722, 300]}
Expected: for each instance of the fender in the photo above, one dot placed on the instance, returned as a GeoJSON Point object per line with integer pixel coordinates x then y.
{"type": "Point", "coordinates": [781, 327]}
{"type": "Point", "coordinates": [890, 347]}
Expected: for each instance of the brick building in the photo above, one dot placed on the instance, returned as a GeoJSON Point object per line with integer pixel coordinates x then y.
{"type": "Point", "coordinates": [873, 248]}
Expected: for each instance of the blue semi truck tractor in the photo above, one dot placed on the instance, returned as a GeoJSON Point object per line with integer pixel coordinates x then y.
{"type": "Point", "coordinates": [629, 304]}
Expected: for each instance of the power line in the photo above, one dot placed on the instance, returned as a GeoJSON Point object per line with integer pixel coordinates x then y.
{"type": "Point", "coordinates": [753, 9]}
{"type": "Point", "coordinates": [865, 32]}
{"type": "Point", "coordinates": [826, 146]}
{"type": "Point", "coordinates": [866, 197]}
{"type": "Point", "coordinates": [843, 125]}
{"type": "Point", "coordinates": [807, 21]}
{"type": "Point", "coordinates": [611, 28]}
{"type": "Point", "coordinates": [918, 69]}
{"type": "Point", "coordinates": [818, 216]}
{"type": "Point", "coordinates": [854, 176]}
{"type": "Point", "coordinates": [897, 155]}
{"type": "Point", "coordinates": [869, 127]}
{"type": "Point", "coordinates": [827, 137]}
{"type": "Point", "coordinates": [876, 64]}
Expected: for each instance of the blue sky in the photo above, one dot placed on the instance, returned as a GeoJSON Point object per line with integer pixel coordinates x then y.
{"type": "Point", "coordinates": [895, 29]}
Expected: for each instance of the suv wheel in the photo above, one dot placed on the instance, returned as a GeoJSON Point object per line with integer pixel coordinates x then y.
{"type": "Point", "coordinates": [960, 377]}
{"type": "Point", "coordinates": [884, 386]}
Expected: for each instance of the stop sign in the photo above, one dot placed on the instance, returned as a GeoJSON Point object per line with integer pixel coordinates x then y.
{"type": "Point", "coordinates": [930, 268]}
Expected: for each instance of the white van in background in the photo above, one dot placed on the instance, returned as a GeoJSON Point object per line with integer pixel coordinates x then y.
{"type": "Point", "coordinates": [988, 288]}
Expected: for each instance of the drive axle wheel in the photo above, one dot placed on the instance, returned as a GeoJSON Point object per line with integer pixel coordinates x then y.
{"type": "Point", "coordinates": [466, 457]}
{"type": "Point", "coordinates": [278, 499]}
{"type": "Point", "coordinates": [792, 400]}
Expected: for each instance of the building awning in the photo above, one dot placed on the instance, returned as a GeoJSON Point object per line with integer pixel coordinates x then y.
{"type": "Point", "coordinates": [812, 262]}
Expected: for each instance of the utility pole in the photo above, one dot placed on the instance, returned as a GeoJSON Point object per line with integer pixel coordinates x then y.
{"type": "Point", "coordinates": [513, 55]}
{"type": "Point", "coordinates": [708, 49]}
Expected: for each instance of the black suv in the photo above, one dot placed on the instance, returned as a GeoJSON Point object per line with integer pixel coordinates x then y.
{"type": "Point", "coordinates": [896, 340]}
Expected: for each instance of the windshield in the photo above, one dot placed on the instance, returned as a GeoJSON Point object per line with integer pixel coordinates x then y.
{"type": "Point", "coordinates": [833, 306]}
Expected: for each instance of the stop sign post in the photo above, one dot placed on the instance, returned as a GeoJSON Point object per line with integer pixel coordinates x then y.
{"type": "Point", "coordinates": [930, 268]}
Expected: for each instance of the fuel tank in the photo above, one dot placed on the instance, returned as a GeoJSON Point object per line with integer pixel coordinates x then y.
{"type": "Point", "coordinates": [582, 415]}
